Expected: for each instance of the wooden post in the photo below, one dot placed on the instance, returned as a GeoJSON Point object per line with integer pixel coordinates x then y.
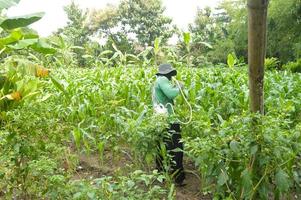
{"type": "Point", "coordinates": [257, 27]}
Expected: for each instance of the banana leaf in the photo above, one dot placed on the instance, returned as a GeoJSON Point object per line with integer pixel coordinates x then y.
{"type": "Point", "coordinates": [4, 4]}
{"type": "Point", "coordinates": [20, 21]}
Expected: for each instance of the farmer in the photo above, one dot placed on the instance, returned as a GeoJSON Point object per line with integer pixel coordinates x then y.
{"type": "Point", "coordinates": [164, 94]}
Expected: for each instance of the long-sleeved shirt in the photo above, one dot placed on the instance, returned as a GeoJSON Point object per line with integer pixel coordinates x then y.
{"type": "Point", "coordinates": [164, 93]}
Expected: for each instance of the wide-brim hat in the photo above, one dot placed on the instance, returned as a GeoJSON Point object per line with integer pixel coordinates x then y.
{"type": "Point", "coordinates": [166, 69]}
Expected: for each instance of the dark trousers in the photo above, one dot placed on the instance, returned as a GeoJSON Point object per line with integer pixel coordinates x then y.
{"type": "Point", "coordinates": [174, 149]}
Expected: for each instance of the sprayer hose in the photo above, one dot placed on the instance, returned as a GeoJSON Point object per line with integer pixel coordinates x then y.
{"type": "Point", "coordinates": [186, 101]}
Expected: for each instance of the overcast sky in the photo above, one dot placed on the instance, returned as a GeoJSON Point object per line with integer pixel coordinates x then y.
{"type": "Point", "coordinates": [181, 11]}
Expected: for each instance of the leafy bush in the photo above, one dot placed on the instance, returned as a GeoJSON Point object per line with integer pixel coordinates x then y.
{"type": "Point", "coordinates": [30, 156]}
{"type": "Point", "coordinates": [137, 185]}
{"type": "Point", "coordinates": [221, 50]}
{"type": "Point", "coordinates": [294, 67]}
{"type": "Point", "coordinates": [238, 161]}
{"type": "Point", "coordinates": [271, 63]}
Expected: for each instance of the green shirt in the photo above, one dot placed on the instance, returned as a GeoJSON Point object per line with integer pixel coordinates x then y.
{"type": "Point", "coordinates": [164, 93]}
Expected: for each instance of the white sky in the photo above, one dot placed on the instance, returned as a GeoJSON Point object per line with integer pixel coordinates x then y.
{"type": "Point", "coordinates": [181, 11]}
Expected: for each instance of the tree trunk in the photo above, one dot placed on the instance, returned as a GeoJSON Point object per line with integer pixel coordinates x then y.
{"type": "Point", "coordinates": [256, 52]}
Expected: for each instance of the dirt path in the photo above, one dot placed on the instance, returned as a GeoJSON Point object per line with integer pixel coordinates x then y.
{"type": "Point", "coordinates": [89, 168]}
{"type": "Point", "coordinates": [191, 191]}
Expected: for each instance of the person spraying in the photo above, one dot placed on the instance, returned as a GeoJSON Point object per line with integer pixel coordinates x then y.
{"type": "Point", "coordinates": [164, 93]}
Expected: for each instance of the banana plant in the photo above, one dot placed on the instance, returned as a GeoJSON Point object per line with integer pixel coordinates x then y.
{"type": "Point", "coordinates": [187, 40]}
{"type": "Point", "coordinates": [19, 76]}
{"type": "Point", "coordinates": [144, 57]}
{"type": "Point", "coordinates": [157, 49]}
{"type": "Point", "coordinates": [21, 37]}
{"type": "Point", "coordinates": [64, 56]}
{"type": "Point", "coordinates": [123, 58]}
{"type": "Point", "coordinates": [104, 59]}
{"type": "Point", "coordinates": [4, 4]}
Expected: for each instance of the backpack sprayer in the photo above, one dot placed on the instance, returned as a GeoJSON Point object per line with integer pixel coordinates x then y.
{"type": "Point", "coordinates": [161, 109]}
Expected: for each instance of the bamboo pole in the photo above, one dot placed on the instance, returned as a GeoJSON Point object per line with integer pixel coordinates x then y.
{"type": "Point", "coordinates": [257, 28]}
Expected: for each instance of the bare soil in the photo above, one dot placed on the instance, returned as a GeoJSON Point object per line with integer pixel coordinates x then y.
{"type": "Point", "coordinates": [90, 167]}
{"type": "Point", "coordinates": [191, 191]}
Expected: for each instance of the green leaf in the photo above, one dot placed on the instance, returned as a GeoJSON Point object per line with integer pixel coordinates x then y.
{"type": "Point", "coordinates": [77, 47]}
{"type": "Point", "coordinates": [86, 56]}
{"type": "Point", "coordinates": [29, 87]}
{"type": "Point", "coordinates": [132, 56]}
{"type": "Point", "coordinates": [43, 47]}
{"type": "Point", "coordinates": [91, 195]}
{"type": "Point", "coordinates": [77, 135]}
{"type": "Point", "coordinates": [222, 178]}
{"type": "Point", "coordinates": [45, 97]}
{"type": "Point", "coordinates": [105, 52]}
{"type": "Point", "coordinates": [2, 174]}
{"type": "Point", "coordinates": [23, 44]}
{"type": "Point", "coordinates": [18, 34]}
{"type": "Point", "coordinates": [77, 195]}
{"type": "Point", "coordinates": [157, 45]}
{"type": "Point", "coordinates": [171, 194]}
{"type": "Point", "coordinates": [28, 33]}
{"type": "Point", "coordinates": [231, 60]}
{"type": "Point", "coordinates": [282, 181]}
{"type": "Point", "coordinates": [149, 158]}
{"type": "Point", "coordinates": [254, 149]}
{"type": "Point", "coordinates": [264, 189]}
{"type": "Point", "coordinates": [246, 180]}
{"type": "Point", "coordinates": [206, 44]}
{"type": "Point", "coordinates": [4, 4]}
{"type": "Point", "coordinates": [220, 118]}
{"type": "Point", "coordinates": [101, 147]}
{"type": "Point", "coordinates": [234, 146]}
{"type": "Point", "coordinates": [20, 21]}
{"type": "Point", "coordinates": [58, 85]}
{"type": "Point", "coordinates": [36, 44]}
{"type": "Point", "coordinates": [130, 184]}
{"type": "Point", "coordinates": [14, 36]}
{"type": "Point", "coordinates": [2, 81]}
{"type": "Point", "coordinates": [141, 116]}
{"type": "Point", "coordinates": [187, 38]}
{"type": "Point", "coordinates": [116, 49]}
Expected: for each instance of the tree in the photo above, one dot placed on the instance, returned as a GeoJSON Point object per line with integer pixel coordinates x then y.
{"type": "Point", "coordinates": [224, 28]}
{"type": "Point", "coordinates": [284, 27]}
{"type": "Point", "coordinates": [237, 27]}
{"type": "Point", "coordinates": [105, 24]}
{"type": "Point", "coordinates": [206, 31]}
{"type": "Point", "coordinates": [133, 21]}
{"type": "Point", "coordinates": [208, 26]}
{"type": "Point", "coordinates": [76, 31]}
{"type": "Point", "coordinates": [256, 51]}
{"type": "Point", "coordinates": [102, 21]}
{"type": "Point", "coordinates": [145, 19]}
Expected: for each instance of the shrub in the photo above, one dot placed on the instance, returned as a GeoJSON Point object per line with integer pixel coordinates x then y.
{"type": "Point", "coordinates": [293, 66]}
{"type": "Point", "coordinates": [243, 163]}
{"type": "Point", "coordinates": [271, 63]}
